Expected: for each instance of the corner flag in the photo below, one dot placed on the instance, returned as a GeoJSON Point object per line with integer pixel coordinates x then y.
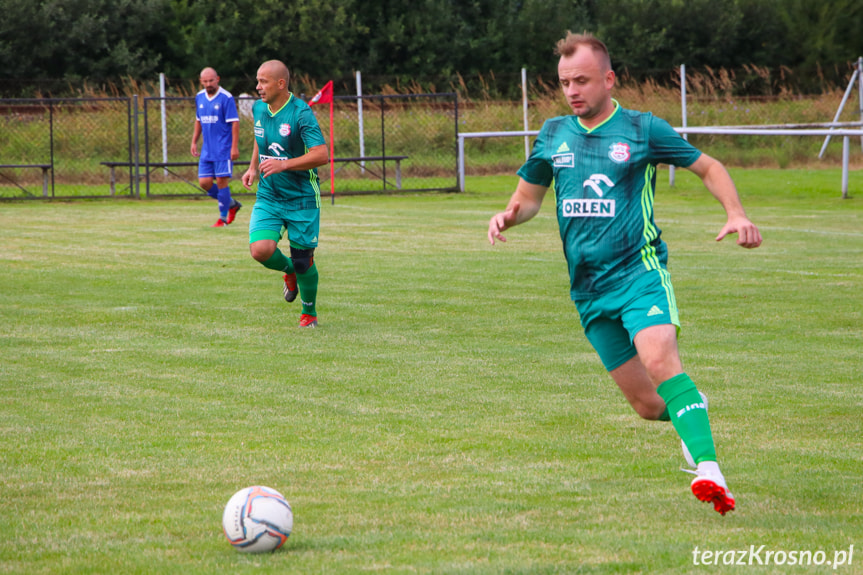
{"type": "Point", "coordinates": [325, 96]}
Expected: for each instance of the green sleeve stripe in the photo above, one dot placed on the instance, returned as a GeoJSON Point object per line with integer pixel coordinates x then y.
{"type": "Point", "coordinates": [648, 252]}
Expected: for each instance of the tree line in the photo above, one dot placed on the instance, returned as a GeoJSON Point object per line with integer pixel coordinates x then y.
{"type": "Point", "coordinates": [99, 40]}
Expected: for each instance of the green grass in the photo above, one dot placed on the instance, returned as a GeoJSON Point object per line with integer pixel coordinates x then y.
{"type": "Point", "coordinates": [447, 417]}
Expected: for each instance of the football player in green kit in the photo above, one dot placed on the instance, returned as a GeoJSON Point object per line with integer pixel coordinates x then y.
{"type": "Point", "coordinates": [288, 148]}
{"type": "Point", "coordinates": [602, 160]}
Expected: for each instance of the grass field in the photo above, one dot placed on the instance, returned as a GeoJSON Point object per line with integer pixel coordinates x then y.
{"type": "Point", "coordinates": [447, 417]}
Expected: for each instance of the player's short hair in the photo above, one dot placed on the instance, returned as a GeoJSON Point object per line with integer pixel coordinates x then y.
{"type": "Point", "coordinates": [567, 46]}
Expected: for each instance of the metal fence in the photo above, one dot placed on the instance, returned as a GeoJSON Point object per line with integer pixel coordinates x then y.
{"type": "Point", "coordinates": [103, 147]}
{"type": "Point", "coordinates": [53, 147]}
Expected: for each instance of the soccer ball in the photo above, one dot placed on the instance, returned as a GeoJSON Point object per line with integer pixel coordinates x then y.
{"type": "Point", "coordinates": [257, 519]}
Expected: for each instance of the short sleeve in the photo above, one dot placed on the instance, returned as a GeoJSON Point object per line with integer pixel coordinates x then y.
{"type": "Point", "coordinates": [537, 169]}
{"type": "Point", "coordinates": [310, 130]}
{"type": "Point", "coordinates": [669, 147]}
{"type": "Point", "coordinates": [231, 110]}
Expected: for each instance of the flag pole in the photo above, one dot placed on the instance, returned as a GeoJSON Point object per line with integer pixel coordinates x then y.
{"type": "Point", "coordinates": [324, 96]}
{"type": "Point", "coordinates": [332, 160]}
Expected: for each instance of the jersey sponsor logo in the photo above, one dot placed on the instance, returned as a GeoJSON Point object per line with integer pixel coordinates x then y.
{"type": "Point", "coordinates": [586, 208]}
{"type": "Point", "coordinates": [262, 157]}
{"type": "Point", "coordinates": [276, 148]}
{"type": "Point", "coordinates": [563, 148]}
{"type": "Point", "coordinates": [563, 160]}
{"type": "Point", "coordinates": [259, 132]}
{"type": "Point", "coordinates": [285, 130]}
{"type": "Point", "coordinates": [619, 152]}
{"type": "Point", "coordinates": [593, 183]}
{"type": "Point", "coordinates": [209, 119]}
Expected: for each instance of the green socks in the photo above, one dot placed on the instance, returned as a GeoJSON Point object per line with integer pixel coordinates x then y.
{"type": "Point", "coordinates": [279, 262]}
{"type": "Point", "coordinates": [689, 416]}
{"type": "Point", "coordinates": [308, 284]}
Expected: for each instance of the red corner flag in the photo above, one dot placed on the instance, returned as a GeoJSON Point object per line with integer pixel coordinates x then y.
{"type": "Point", "coordinates": [325, 96]}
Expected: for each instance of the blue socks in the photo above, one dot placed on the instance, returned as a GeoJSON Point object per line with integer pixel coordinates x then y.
{"type": "Point", "coordinates": [224, 198]}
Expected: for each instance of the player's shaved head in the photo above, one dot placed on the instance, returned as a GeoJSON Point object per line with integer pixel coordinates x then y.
{"type": "Point", "coordinates": [277, 70]}
{"type": "Point", "coordinates": [273, 79]}
{"type": "Point", "coordinates": [210, 80]}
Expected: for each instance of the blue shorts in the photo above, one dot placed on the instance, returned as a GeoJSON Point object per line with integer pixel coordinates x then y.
{"type": "Point", "coordinates": [215, 169]}
{"type": "Point", "coordinates": [301, 221]}
{"type": "Point", "coordinates": [611, 320]}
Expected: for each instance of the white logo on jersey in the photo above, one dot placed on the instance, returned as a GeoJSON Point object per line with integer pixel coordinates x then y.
{"type": "Point", "coordinates": [276, 148]}
{"type": "Point", "coordinates": [584, 208]}
{"type": "Point", "coordinates": [594, 181]}
{"type": "Point", "coordinates": [285, 130]}
{"type": "Point", "coordinates": [563, 160]}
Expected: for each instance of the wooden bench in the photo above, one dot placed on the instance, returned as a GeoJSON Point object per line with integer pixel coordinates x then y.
{"type": "Point", "coordinates": [44, 167]}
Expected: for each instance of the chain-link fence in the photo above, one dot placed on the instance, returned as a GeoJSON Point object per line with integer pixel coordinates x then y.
{"type": "Point", "coordinates": [712, 100]}
{"type": "Point", "coordinates": [53, 147]}
{"type": "Point", "coordinates": [98, 147]}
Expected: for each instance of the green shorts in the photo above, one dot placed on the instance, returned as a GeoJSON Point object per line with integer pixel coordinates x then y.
{"type": "Point", "coordinates": [611, 320]}
{"type": "Point", "coordinates": [271, 220]}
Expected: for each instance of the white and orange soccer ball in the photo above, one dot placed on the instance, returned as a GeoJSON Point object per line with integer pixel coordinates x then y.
{"type": "Point", "coordinates": [257, 519]}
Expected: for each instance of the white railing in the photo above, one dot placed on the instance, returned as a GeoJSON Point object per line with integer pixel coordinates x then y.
{"type": "Point", "coordinates": [825, 130]}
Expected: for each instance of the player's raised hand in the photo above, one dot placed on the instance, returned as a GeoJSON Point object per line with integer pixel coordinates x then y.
{"type": "Point", "coordinates": [748, 235]}
{"type": "Point", "coordinates": [502, 221]}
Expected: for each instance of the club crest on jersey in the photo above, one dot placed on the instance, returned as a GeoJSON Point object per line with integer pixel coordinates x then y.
{"type": "Point", "coordinates": [285, 130]}
{"type": "Point", "coordinates": [619, 152]}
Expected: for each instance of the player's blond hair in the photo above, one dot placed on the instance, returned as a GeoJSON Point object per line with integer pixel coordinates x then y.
{"type": "Point", "coordinates": [567, 46]}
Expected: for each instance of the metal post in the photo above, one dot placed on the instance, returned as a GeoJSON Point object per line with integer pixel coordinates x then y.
{"type": "Point", "coordinates": [51, 138]}
{"type": "Point", "coordinates": [164, 122]}
{"type": "Point", "coordinates": [360, 120]}
{"type": "Point", "coordinates": [384, 142]}
{"type": "Point", "coordinates": [839, 111]}
{"type": "Point", "coordinates": [455, 115]}
{"type": "Point", "coordinates": [860, 91]}
{"type": "Point", "coordinates": [846, 143]}
{"type": "Point", "coordinates": [524, 105]}
{"type": "Point", "coordinates": [461, 163]}
{"type": "Point", "coordinates": [137, 149]}
{"type": "Point", "coordinates": [671, 169]}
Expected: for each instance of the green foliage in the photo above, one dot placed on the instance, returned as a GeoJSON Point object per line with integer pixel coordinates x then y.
{"type": "Point", "coordinates": [73, 39]}
{"type": "Point", "coordinates": [409, 41]}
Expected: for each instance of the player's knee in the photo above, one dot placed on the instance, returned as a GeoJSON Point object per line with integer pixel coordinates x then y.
{"type": "Point", "coordinates": [262, 251]}
{"type": "Point", "coordinates": [302, 259]}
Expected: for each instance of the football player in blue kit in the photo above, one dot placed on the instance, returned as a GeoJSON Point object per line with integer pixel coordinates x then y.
{"type": "Point", "coordinates": [216, 119]}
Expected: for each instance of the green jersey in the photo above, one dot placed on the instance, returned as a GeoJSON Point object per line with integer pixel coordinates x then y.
{"type": "Point", "coordinates": [604, 181]}
{"type": "Point", "coordinates": [288, 133]}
